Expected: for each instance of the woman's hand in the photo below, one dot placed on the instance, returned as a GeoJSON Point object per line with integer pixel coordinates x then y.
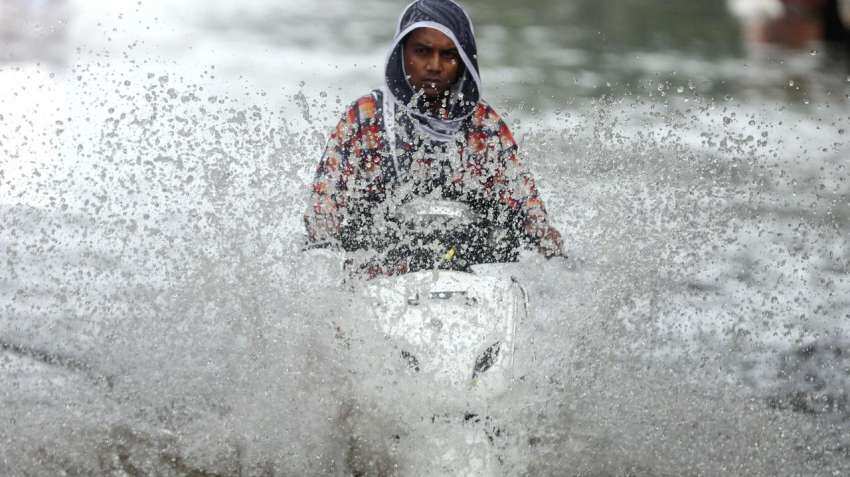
{"type": "Point", "coordinates": [551, 244]}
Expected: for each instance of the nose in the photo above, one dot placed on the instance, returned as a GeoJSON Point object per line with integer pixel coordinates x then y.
{"type": "Point", "coordinates": [434, 63]}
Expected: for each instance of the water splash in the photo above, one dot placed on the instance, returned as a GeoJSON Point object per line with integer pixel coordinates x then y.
{"type": "Point", "coordinates": [159, 316]}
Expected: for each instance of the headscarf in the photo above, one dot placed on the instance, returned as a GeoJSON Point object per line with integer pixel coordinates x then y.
{"type": "Point", "coordinates": [451, 19]}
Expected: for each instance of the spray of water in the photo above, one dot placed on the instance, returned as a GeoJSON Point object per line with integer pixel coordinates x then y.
{"type": "Point", "coordinates": [159, 317]}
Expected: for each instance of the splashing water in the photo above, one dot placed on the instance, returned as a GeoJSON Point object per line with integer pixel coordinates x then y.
{"type": "Point", "coordinates": [158, 314]}
{"type": "Point", "coordinates": [159, 318]}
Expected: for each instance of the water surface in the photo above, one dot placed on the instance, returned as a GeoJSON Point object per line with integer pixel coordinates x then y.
{"type": "Point", "coordinates": [159, 318]}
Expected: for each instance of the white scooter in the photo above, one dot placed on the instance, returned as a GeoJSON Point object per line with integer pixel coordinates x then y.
{"type": "Point", "coordinates": [453, 326]}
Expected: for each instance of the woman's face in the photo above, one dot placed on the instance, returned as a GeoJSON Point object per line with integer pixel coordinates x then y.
{"type": "Point", "coordinates": [431, 61]}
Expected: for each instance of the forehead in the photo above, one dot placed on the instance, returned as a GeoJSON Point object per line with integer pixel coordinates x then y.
{"type": "Point", "coordinates": [432, 38]}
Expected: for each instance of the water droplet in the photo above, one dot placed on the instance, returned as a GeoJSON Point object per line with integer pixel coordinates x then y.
{"type": "Point", "coordinates": [813, 52]}
{"type": "Point", "coordinates": [680, 89]}
{"type": "Point", "coordinates": [841, 131]}
{"type": "Point", "coordinates": [791, 83]}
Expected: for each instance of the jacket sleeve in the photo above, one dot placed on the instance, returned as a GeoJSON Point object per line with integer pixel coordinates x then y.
{"type": "Point", "coordinates": [519, 193]}
{"type": "Point", "coordinates": [330, 189]}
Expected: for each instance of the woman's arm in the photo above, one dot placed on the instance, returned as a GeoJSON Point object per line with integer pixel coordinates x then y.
{"type": "Point", "coordinates": [329, 197]}
{"type": "Point", "coordinates": [520, 193]}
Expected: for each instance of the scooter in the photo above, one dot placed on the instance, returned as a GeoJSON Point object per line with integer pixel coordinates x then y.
{"type": "Point", "coordinates": [453, 322]}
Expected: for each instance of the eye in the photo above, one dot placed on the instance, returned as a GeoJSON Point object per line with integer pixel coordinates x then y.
{"type": "Point", "coordinates": [450, 55]}
{"type": "Point", "coordinates": [420, 50]}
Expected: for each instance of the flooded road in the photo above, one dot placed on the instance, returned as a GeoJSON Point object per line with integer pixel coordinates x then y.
{"type": "Point", "coordinates": [157, 316]}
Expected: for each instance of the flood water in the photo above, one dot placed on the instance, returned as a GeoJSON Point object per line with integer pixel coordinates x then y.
{"type": "Point", "coordinates": [158, 316]}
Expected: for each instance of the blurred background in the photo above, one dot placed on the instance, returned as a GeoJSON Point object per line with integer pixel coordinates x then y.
{"type": "Point", "coordinates": [536, 52]}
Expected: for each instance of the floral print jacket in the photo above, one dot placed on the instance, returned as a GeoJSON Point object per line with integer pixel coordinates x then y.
{"type": "Point", "coordinates": [356, 173]}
